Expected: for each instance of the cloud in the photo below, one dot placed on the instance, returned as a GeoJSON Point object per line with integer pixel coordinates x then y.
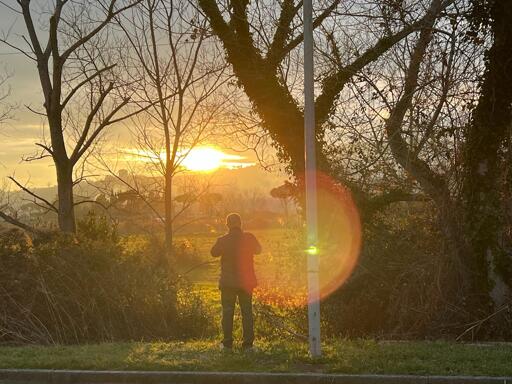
{"type": "Point", "coordinates": [18, 143]}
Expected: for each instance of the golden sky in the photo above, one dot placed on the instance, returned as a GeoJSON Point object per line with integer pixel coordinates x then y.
{"type": "Point", "coordinates": [20, 134]}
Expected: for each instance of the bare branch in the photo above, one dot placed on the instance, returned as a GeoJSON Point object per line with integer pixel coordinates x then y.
{"type": "Point", "coordinates": [13, 221]}
{"type": "Point", "coordinates": [432, 183]}
{"type": "Point", "coordinates": [334, 84]}
{"type": "Point", "coordinates": [20, 50]}
{"type": "Point", "coordinates": [26, 190]}
{"type": "Point", "coordinates": [77, 151]}
{"type": "Point", "coordinates": [111, 13]}
{"type": "Point", "coordinates": [35, 112]}
{"type": "Point", "coordinates": [84, 82]}
{"type": "Point", "coordinates": [105, 123]}
{"type": "Point", "coordinates": [279, 54]}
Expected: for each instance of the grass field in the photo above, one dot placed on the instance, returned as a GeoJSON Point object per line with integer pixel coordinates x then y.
{"type": "Point", "coordinates": [280, 247]}
{"type": "Point", "coordinates": [437, 358]}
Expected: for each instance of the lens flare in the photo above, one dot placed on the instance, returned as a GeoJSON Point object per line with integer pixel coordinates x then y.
{"type": "Point", "coordinates": [283, 278]}
{"type": "Point", "coordinates": [312, 250]}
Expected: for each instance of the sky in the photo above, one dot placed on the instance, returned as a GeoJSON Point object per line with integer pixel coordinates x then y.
{"type": "Point", "coordinates": [19, 135]}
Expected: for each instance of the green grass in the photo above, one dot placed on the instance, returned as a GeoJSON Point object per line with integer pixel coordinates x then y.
{"type": "Point", "coordinates": [437, 358]}
{"type": "Point", "coordinates": [280, 266]}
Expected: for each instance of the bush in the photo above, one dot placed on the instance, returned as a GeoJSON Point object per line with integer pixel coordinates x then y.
{"type": "Point", "coordinates": [92, 287]}
{"type": "Point", "coordinates": [398, 287]}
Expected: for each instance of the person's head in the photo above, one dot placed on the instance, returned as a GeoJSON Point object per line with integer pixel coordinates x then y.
{"type": "Point", "coordinates": [233, 221]}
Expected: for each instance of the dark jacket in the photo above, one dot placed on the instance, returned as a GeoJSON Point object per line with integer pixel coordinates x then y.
{"type": "Point", "coordinates": [236, 250]}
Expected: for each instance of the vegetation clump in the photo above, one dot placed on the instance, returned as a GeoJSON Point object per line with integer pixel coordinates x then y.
{"type": "Point", "coordinates": [92, 287]}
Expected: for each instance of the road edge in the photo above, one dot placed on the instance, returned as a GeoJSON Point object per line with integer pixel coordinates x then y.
{"type": "Point", "coordinates": [44, 376]}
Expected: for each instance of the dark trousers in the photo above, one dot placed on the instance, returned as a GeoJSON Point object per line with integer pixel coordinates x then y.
{"type": "Point", "coordinates": [228, 299]}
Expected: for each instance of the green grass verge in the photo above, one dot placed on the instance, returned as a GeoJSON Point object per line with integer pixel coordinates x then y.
{"type": "Point", "coordinates": [422, 358]}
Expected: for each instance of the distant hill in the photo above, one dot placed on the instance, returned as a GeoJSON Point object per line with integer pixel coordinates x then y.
{"type": "Point", "coordinates": [252, 178]}
{"type": "Point", "coordinates": [247, 178]}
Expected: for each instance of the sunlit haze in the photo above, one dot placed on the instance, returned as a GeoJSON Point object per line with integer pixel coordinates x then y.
{"type": "Point", "coordinates": [204, 159]}
{"type": "Point", "coordinates": [198, 159]}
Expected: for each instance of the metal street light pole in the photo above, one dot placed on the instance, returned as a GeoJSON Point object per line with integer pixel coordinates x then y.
{"type": "Point", "coordinates": [311, 195]}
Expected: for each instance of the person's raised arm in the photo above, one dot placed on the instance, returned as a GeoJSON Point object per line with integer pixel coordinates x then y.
{"type": "Point", "coordinates": [216, 250]}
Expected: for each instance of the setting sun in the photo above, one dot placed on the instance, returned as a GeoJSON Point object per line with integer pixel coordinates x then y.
{"type": "Point", "coordinates": [199, 159]}
{"type": "Point", "coordinates": [205, 159]}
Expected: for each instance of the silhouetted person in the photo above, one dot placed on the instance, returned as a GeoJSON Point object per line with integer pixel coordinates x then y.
{"type": "Point", "coordinates": [237, 279]}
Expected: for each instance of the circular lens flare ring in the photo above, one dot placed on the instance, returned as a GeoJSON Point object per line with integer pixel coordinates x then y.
{"type": "Point", "coordinates": [284, 280]}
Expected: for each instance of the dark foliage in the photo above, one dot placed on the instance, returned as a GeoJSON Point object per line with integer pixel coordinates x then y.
{"type": "Point", "coordinates": [403, 286]}
{"type": "Point", "coordinates": [90, 288]}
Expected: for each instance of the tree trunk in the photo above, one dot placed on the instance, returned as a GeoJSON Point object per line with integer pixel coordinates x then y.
{"type": "Point", "coordinates": [457, 247]}
{"type": "Point", "coordinates": [484, 160]}
{"type": "Point", "coordinates": [66, 211]}
{"type": "Point", "coordinates": [168, 218]}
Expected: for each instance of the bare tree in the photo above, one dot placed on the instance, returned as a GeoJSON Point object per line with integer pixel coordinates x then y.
{"type": "Point", "coordinates": [70, 65]}
{"type": "Point", "coordinates": [455, 156]}
{"type": "Point", "coordinates": [175, 66]}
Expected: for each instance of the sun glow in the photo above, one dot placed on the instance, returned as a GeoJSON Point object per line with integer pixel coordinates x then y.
{"type": "Point", "coordinates": [204, 159]}
{"type": "Point", "coordinates": [198, 159]}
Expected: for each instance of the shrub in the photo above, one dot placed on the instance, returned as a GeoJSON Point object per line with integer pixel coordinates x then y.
{"type": "Point", "coordinates": [397, 288]}
{"type": "Point", "coordinates": [91, 287]}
